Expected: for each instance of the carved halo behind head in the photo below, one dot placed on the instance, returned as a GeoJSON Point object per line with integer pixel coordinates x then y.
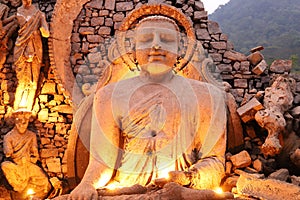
{"type": "Point", "coordinates": [169, 13]}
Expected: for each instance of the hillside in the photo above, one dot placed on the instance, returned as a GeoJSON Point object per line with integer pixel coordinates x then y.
{"type": "Point", "coordinates": [272, 24]}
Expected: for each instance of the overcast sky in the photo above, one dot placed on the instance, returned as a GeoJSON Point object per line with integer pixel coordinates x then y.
{"type": "Point", "coordinates": [211, 5]}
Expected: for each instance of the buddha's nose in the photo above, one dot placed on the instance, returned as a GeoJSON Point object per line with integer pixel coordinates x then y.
{"type": "Point", "coordinates": [156, 43]}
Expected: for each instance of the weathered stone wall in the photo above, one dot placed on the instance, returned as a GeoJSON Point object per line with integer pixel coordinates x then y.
{"type": "Point", "coordinates": [52, 112]}
{"type": "Point", "coordinates": [90, 39]}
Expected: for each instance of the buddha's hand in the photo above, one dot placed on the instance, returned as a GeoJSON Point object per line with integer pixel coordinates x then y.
{"type": "Point", "coordinates": [180, 177]}
{"type": "Point", "coordinates": [84, 191]}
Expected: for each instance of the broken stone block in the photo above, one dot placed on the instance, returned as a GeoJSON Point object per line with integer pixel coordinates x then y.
{"type": "Point", "coordinates": [47, 153]}
{"type": "Point", "coordinates": [241, 159]}
{"type": "Point", "coordinates": [104, 30]}
{"type": "Point", "coordinates": [202, 34]}
{"type": "Point", "coordinates": [237, 66]}
{"type": "Point", "coordinates": [124, 6]}
{"type": "Point", "coordinates": [94, 57]}
{"type": "Point", "coordinates": [260, 68]}
{"type": "Point", "coordinates": [199, 15]}
{"type": "Point", "coordinates": [295, 180]}
{"type": "Point", "coordinates": [86, 30]}
{"type": "Point", "coordinates": [240, 83]}
{"type": "Point", "coordinates": [228, 168]}
{"type": "Point", "coordinates": [67, 109]}
{"type": "Point", "coordinates": [110, 5]}
{"type": "Point", "coordinates": [49, 88]}
{"type": "Point", "coordinates": [43, 115]}
{"type": "Point", "coordinates": [43, 98]}
{"type": "Point", "coordinates": [258, 165]}
{"type": "Point", "coordinates": [281, 174]}
{"type": "Point", "coordinates": [235, 56]}
{"type": "Point", "coordinates": [224, 68]}
{"type": "Point", "coordinates": [245, 66]}
{"type": "Point", "coordinates": [255, 58]}
{"type": "Point", "coordinates": [247, 111]}
{"type": "Point", "coordinates": [53, 165]}
{"type": "Point", "coordinates": [199, 6]}
{"type": "Point", "coordinates": [218, 45]}
{"type": "Point", "coordinates": [118, 17]}
{"type": "Point", "coordinates": [45, 141]}
{"type": "Point", "coordinates": [258, 48]}
{"type": "Point", "coordinates": [95, 39]}
{"type": "Point", "coordinates": [52, 119]}
{"type": "Point", "coordinates": [267, 188]}
{"type": "Point", "coordinates": [281, 66]}
{"type": "Point", "coordinates": [213, 28]}
{"type": "Point", "coordinates": [97, 21]}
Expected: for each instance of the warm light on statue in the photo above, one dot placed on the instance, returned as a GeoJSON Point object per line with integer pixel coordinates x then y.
{"type": "Point", "coordinates": [113, 186]}
{"type": "Point", "coordinates": [105, 177]}
{"type": "Point", "coordinates": [218, 190]}
{"type": "Point", "coordinates": [30, 193]}
{"type": "Point", "coordinates": [23, 103]}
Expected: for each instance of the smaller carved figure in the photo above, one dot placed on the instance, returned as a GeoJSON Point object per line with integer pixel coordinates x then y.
{"type": "Point", "coordinates": [28, 52]}
{"type": "Point", "coordinates": [278, 99]}
{"type": "Point", "coordinates": [21, 151]}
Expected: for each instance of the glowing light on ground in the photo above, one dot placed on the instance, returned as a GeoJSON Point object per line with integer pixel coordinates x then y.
{"type": "Point", "coordinates": [218, 190]}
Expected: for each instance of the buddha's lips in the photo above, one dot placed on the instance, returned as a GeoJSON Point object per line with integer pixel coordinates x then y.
{"type": "Point", "coordinates": [159, 57]}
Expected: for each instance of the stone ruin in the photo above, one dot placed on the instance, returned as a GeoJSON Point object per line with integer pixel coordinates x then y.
{"type": "Point", "coordinates": [76, 55]}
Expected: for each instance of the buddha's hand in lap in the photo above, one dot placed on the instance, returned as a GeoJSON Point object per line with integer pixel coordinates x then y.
{"type": "Point", "coordinates": [180, 177]}
{"type": "Point", "coordinates": [84, 191]}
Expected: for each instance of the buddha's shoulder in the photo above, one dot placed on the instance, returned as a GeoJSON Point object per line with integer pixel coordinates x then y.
{"type": "Point", "coordinates": [119, 87]}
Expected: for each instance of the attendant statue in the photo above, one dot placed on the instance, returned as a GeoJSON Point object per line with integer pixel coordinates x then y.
{"type": "Point", "coordinates": [28, 52]}
{"type": "Point", "coordinates": [7, 28]}
{"type": "Point", "coordinates": [21, 151]}
{"type": "Point", "coordinates": [158, 122]}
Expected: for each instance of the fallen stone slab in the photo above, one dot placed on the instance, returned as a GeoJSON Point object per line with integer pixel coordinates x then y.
{"type": "Point", "coordinates": [171, 190]}
{"type": "Point", "coordinates": [267, 188]}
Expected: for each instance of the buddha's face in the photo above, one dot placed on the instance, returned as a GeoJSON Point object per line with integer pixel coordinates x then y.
{"type": "Point", "coordinates": [26, 3]}
{"type": "Point", "coordinates": [156, 46]}
{"type": "Point", "coordinates": [21, 121]}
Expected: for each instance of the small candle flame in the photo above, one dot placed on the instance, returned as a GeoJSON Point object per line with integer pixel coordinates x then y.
{"type": "Point", "coordinates": [218, 190]}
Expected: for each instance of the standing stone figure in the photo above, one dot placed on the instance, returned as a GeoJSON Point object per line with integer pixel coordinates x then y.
{"type": "Point", "coordinates": [28, 52]}
{"type": "Point", "coordinates": [21, 151]}
{"type": "Point", "coordinates": [158, 122]}
{"type": "Point", "coordinates": [7, 28]}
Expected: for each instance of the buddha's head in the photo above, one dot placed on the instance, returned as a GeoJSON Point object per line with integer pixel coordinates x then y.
{"type": "Point", "coordinates": [157, 42]}
{"type": "Point", "coordinates": [26, 3]}
{"type": "Point", "coordinates": [22, 117]}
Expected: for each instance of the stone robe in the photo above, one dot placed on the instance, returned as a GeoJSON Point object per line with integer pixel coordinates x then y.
{"type": "Point", "coordinates": [22, 173]}
{"type": "Point", "coordinates": [143, 130]}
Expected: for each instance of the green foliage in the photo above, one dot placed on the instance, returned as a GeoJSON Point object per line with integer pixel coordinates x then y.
{"type": "Point", "coordinates": [272, 24]}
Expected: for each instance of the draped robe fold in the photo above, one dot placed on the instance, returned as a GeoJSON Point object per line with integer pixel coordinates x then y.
{"type": "Point", "coordinates": [143, 130]}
